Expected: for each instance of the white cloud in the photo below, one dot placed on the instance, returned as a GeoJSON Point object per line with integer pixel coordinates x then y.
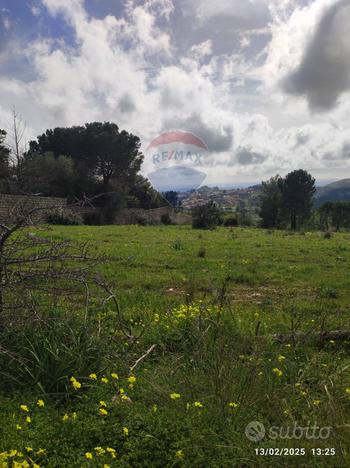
{"type": "Point", "coordinates": [130, 69]}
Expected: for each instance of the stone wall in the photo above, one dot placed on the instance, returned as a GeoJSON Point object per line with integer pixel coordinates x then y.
{"type": "Point", "coordinates": [138, 215]}
{"type": "Point", "coordinates": [12, 205]}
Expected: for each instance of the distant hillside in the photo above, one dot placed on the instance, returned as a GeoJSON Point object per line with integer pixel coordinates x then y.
{"type": "Point", "coordinates": [336, 191]}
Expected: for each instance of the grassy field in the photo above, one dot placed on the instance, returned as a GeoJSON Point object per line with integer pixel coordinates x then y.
{"type": "Point", "coordinates": [210, 302]}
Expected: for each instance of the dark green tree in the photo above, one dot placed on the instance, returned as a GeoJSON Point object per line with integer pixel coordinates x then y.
{"type": "Point", "coordinates": [271, 209]}
{"type": "Point", "coordinates": [172, 197]}
{"type": "Point", "coordinates": [47, 175]}
{"type": "Point", "coordinates": [341, 214]}
{"type": "Point", "coordinates": [325, 212]}
{"type": "Point", "coordinates": [297, 189]}
{"type": "Point", "coordinates": [206, 216]}
{"type": "Point", "coordinates": [103, 156]}
{"type": "Point", "coordinates": [143, 195]}
{"type": "Point", "coordinates": [5, 171]}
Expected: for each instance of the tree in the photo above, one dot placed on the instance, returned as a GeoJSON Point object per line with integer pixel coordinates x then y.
{"type": "Point", "coordinates": [47, 175]}
{"type": "Point", "coordinates": [103, 156]}
{"type": "Point", "coordinates": [297, 189]}
{"type": "Point", "coordinates": [206, 216]}
{"type": "Point", "coordinates": [341, 214]}
{"type": "Point", "coordinates": [4, 163]}
{"type": "Point", "coordinates": [271, 209]}
{"type": "Point", "coordinates": [18, 128]}
{"type": "Point", "coordinates": [172, 197]}
{"type": "Point", "coordinates": [325, 212]}
{"type": "Point", "coordinates": [143, 195]}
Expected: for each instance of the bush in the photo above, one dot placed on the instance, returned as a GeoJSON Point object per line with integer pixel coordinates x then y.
{"type": "Point", "coordinates": [64, 218]}
{"type": "Point", "coordinates": [206, 216]}
{"type": "Point", "coordinates": [231, 221]}
{"type": "Point", "coordinates": [327, 235]}
{"type": "Point", "coordinates": [93, 218]}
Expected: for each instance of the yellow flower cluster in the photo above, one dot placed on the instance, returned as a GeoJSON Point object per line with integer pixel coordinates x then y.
{"type": "Point", "coordinates": [175, 396]}
{"type": "Point", "coordinates": [190, 310]}
{"type": "Point", "coordinates": [16, 459]}
{"type": "Point", "coordinates": [277, 371]}
{"type": "Point", "coordinates": [75, 383]}
{"type": "Point", "coordinates": [233, 405]}
{"type": "Point", "coordinates": [197, 404]}
{"type": "Point", "coordinates": [66, 416]}
{"type": "Point", "coordinates": [100, 451]}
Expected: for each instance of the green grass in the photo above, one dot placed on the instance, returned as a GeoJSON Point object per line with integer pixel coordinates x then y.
{"type": "Point", "coordinates": [202, 311]}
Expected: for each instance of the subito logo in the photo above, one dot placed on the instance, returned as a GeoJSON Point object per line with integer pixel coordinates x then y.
{"type": "Point", "coordinates": [177, 160]}
{"type": "Point", "coordinates": [255, 431]}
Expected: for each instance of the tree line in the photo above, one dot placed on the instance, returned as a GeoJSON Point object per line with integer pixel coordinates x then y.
{"type": "Point", "coordinates": [71, 162]}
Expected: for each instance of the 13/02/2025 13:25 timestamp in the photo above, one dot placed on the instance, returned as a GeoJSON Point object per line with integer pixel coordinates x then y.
{"type": "Point", "coordinates": [298, 451]}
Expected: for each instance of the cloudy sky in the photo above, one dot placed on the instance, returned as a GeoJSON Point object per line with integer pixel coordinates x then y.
{"type": "Point", "coordinates": [266, 83]}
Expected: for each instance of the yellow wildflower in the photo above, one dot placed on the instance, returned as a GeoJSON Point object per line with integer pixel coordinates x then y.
{"type": "Point", "coordinates": [198, 404]}
{"type": "Point", "coordinates": [40, 403]}
{"type": "Point", "coordinates": [111, 451]}
{"type": "Point", "coordinates": [114, 375]}
{"type": "Point", "coordinates": [41, 451]}
{"type": "Point", "coordinates": [18, 427]}
{"type": "Point", "coordinates": [28, 419]}
{"type": "Point", "coordinates": [281, 358]}
{"type": "Point", "coordinates": [180, 454]}
{"type": "Point", "coordinates": [317, 402]}
{"type": "Point", "coordinates": [132, 379]}
{"type": "Point", "coordinates": [154, 408]}
{"type": "Point", "coordinates": [100, 451]}
{"type": "Point", "coordinates": [103, 412]}
{"type": "Point", "coordinates": [75, 383]}
{"type": "Point", "coordinates": [103, 403]}
{"type": "Point", "coordinates": [121, 391]}
{"type": "Point", "coordinates": [29, 449]}
{"type": "Point", "coordinates": [88, 455]}
{"type": "Point", "coordinates": [232, 404]}
{"type": "Point", "coordinates": [65, 417]}
{"type": "Point", "coordinates": [175, 396]}
{"type": "Point", "coordinates": [93, 376]}
{"type": "Point", "coordinates": [104, 380]}
{"type": "Point", "coordinates": [277, 371]}
{"type": "Point", "coordinates": [125, 431]}
{"type": "Point", "coordinates": [24, 408]}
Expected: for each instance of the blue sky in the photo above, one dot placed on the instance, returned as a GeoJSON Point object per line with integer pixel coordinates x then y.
{"type": "Point", "coordinates": [264, 82]}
